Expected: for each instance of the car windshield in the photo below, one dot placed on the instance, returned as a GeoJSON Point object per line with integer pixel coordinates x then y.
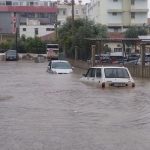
{"type": "Point", "coordinates": [61, 65]}
{"type": "Point", "coordinates": [12, 53]}
{"type": "Point", "coordinates": [116, 73]}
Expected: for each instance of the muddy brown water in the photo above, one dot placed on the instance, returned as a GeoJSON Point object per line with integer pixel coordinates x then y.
{"type": "Point", "coordinates": [41, 111]}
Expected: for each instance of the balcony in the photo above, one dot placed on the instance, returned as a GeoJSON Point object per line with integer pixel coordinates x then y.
{"type": "Point", "coordinates": [115, 10]}
{"type": "Point", "coordinates": [145, 10]}
{"type": "Point", "coordinates": [115, 24]}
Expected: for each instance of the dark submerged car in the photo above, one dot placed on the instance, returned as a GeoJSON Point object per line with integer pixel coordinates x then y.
{"type": "Point", "coordinates": [11, 55]}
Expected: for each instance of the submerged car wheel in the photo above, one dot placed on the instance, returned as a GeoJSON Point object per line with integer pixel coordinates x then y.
{"type": "Point", "coordinates": [133, 84]}
{"type": "Point", "coordinates": [103, 85]}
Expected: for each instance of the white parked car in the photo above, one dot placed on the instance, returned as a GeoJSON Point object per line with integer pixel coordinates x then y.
{"type": "Point", "coordinates": [59, 67]}
{"type": "Point", "coordinates": [109, 77]}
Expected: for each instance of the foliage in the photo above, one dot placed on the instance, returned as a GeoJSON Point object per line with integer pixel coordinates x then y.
{"type": "Point", "coordinates": [70, 37]}
{"type": "Point", "coordinates": [29, 45]}
{"type": "Point", "coordinates": [134, 32]}
{"type": "Point", "coordinates": [4, 46]}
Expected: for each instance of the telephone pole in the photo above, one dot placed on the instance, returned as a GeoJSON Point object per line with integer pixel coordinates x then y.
{"type": "Point", "coordinates": [72, 3]}
{"type": "Point", "coordinates": [72, 22]}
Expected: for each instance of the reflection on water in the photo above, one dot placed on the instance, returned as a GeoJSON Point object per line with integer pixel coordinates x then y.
{"type": "Point", "coordinates": [41, 111]}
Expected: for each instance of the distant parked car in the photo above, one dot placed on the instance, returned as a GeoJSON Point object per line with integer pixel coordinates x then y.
{"type": "Point", "coordinates": [109, 76]}
{"type": "Point", "coordinates": [11, 55]}
{"type": "Point", "coordinates": [147, 60]}
{"type": "Point", "coordinates": [59, 67]}
{"type": "Point", "coordinates": [133, 56]}
{"type": "Point", "coordinates": [101, 59]}
{"type": "Point", "coordinates": [97, 59]}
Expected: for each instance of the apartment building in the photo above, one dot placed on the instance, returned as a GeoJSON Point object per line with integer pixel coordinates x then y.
{"type": "Point", "coordinates": [118, 15]}
{"type": "Point", "coordinates": [35, 17]}
{"type": "Point", "coordinates": [31, 17]}
{"type": "Point", "coordinates": [65, 11]}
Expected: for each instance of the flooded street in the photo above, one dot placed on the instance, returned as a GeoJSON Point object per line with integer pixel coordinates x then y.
{"type": "Point", "coordinates": [41, 111]}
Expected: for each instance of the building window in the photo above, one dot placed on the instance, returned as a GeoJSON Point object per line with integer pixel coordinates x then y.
{"type": "Point", "coordinates": [116, 29]}
{"type": "Point", "coordinates": [36, 31]}
{"type": "Point", "coordinates": [118, 45]}
{"type": "Point", "coordinates": [114, 14]}
{"type": "Point", "coordinates": [133, 15]}
{"type": "Point", "coordinates": [48, 29]}
{"type": "Point", "coordinates": [132, 2]}
{"type": "Point", "coordinates": [15, 3]}
{"type": "Point", "coordinates": [45, 3]}
{"type": "Point", "coordinates": [117, 49]}
{"type": "Point", "coordinates": [31, 15]}
{"type": "Point", "coordinates": [43, 15]}
{"type": "Point", "coordinates": [64, 12]}
{"type": "Point", "coordinates": [36, 4]}
{"type": "Point", "coordinates": [23, 23]}
{"type": "Point", "coordinates": [24, 29]}
{"type": "Point", "coordinates": [2, 3]}
{"type": "Point", "coordinates": [23, 14]}
{"type": "Point", "coordinates": [77, 12]}
{"type": "Point", "coordinates": [23, 4]}
{"type": "Point", "coordinates": [8, 3]}
{"type": "Point", "coordinates": [31, 3]}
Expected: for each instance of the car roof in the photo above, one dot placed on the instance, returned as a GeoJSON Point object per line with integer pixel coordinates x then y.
{"type": "Point", "coordinates": [59, 61]}
{"type": "Point", "coordinates": [108, 67]}
{"type": "Point", "coordinates": [11, 50]}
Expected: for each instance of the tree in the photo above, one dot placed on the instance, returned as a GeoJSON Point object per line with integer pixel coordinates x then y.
{"type": "Point", "coordinates": [134, 32]}
{"type": "Point", "coordinates": [83, 29]}
{"type": "Point", "coordinates": [4, 45]}
{"type": "Point", "coordinates": [29, 45]}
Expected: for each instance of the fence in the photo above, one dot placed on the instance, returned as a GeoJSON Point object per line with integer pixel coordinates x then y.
{"type": "Point", "coordinates": [135, 70]}
{"type": "Point", "coordinates": [139, 71]}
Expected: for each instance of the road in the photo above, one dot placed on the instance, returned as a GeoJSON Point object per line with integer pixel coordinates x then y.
{"type": "Point", "coordinates": [41, 111]}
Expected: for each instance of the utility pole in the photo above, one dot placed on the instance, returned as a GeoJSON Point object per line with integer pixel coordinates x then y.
{"type": "Point", "coordinates": [56, 26]}
{"type": "Point", "coordinates": [93, 55]}
{"type": "Point", "coordinates": [72, 22]}
{"type": "Point", "coordinates": [16, 30]}
{"type": "Point", "coordinates": [72, 3]}
{"type": "Point", "coordinates": [16, 39]}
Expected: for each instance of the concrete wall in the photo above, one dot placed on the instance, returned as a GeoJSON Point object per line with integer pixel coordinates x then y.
{"type": "Point", "coordinates": [30, 30]}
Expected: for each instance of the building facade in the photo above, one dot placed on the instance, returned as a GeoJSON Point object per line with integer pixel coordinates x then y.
{"type": "Point", "coordinates": [27, 15]}
{"type": "Point", "coordinates": [35, 17]}
{"type": "Point", "coordinates": [118, 15]}
{"type": "Point", "coordinates": [65, 11]}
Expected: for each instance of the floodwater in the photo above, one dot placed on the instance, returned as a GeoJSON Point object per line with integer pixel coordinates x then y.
{"type": "Point", "coordinates": [41, 111]}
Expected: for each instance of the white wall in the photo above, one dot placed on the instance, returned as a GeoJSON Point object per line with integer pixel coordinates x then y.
{"type": "Point", "coordinates": [78, 12]}
{"type": "Point", "coordinates": [114, 5]}
{"type": "Point", "coordinates": [115, 19]}
{"type": "Point", "coordinates": [140, 4]}
{"type": "Point", "coordinates": [30, 30]}
{"type": "Point", "coordinates": [140, 18]}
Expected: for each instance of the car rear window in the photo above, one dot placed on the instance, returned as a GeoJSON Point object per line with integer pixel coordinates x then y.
{"type": "Point", "coordinates": [116, 73]}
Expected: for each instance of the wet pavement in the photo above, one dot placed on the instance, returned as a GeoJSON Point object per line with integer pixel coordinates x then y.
{"type": "Point", "coordinates": [40, 111]}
